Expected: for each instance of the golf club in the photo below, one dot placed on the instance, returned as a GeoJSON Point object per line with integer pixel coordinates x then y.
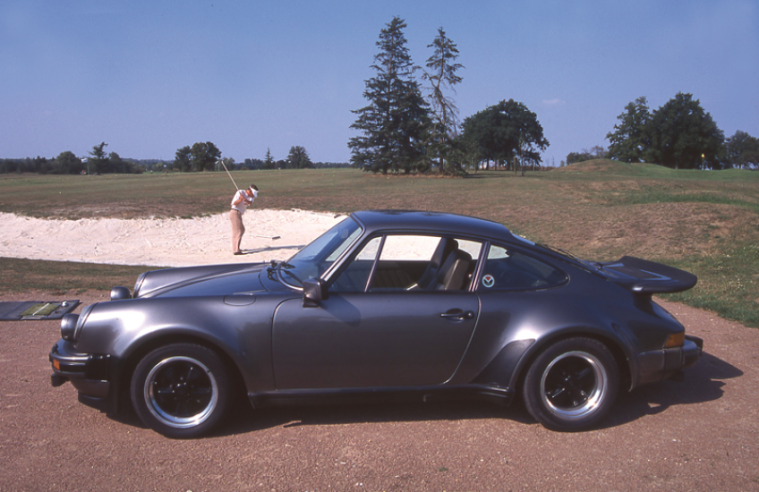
{"type": "Point", "coordinates": [228, 174]}
{"type": "Point", "coordinates": [233, 182]}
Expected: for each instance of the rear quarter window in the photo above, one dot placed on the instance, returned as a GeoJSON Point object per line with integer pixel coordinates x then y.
{"type": "Point", "coordinates": [506, 269]}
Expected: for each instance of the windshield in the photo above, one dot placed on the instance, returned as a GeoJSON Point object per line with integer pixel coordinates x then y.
{"type": "Point", "coordinates": [313, 260]}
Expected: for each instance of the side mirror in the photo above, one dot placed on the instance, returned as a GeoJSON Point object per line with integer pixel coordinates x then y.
{"type": "Point", "coordinates": [314, 292]}
{"type": "Point", "coordinates": [118, 293]}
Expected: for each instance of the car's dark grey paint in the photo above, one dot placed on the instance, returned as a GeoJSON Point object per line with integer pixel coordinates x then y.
{"type": "Point", "coordinates": [506, 315]}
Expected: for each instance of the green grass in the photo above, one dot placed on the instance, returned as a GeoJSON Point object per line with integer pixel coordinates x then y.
{"type": "Point", "coordinates": [59, 277]}
{"type": "Point", "coordinates": [706, 222]}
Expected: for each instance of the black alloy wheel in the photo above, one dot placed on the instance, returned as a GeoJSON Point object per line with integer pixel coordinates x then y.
{"type": "Point", "coordinates": [180, 390]}
{"type": "Point", "coordinates": [572, 384]}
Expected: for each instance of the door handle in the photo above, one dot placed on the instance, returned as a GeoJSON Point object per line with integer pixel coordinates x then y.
{"type": "Point", "coordinates": [457, 314]}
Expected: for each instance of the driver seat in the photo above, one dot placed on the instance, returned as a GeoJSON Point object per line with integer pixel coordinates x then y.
{"type": "Point", "coordinates": [453, 272]}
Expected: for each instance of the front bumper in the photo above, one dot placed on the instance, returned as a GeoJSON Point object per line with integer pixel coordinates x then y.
{"type": "Point", "coordinates": [657, 365]}
{"type": "Point", "coordinates": [88, 373]}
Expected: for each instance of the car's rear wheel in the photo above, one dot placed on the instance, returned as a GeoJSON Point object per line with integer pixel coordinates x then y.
{"type": "Point", "coordinates": [572, 384]}
{"type": "Point", "coordinates": [180, 390]}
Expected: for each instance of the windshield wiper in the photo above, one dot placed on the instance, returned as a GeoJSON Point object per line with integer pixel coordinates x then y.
{"type": "Point", "coordinates": [282, 267]}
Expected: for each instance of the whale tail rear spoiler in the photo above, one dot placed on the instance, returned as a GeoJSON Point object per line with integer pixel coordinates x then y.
{"type": "Point", "coordinates": [647, 277]}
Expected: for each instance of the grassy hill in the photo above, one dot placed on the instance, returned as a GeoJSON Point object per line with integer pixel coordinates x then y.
{"type": "Point", "coordinates": [703, 221]}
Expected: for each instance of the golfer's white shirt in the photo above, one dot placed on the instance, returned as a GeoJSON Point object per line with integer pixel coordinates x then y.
{"type": "Point", "coordinates": [243, 205]}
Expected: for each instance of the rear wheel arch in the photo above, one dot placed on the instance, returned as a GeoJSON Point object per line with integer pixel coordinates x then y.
{"type": "Point", "coordinates": [623, 364]}
{"type": "Point", "coordinates": [571, 382]}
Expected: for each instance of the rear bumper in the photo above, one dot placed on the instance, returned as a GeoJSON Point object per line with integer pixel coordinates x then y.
{"type": "Point", "coordinates": [657, 365]}
{"type": "Point", "coordinates": [88, 373]}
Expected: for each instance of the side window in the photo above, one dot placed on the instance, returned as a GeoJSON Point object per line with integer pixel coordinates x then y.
{"type": "Point", "coordinates": [410, 263]}
{"type": "Point", "coordinates": [511, 270]}
{"type": "Point", "coordinates": [356, 275]}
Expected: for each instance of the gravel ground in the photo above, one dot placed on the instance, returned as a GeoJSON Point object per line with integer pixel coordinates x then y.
{"type": "Point", "coordinates": [701, 434]}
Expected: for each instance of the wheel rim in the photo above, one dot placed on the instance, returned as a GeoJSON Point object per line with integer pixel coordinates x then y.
{"type": "Point", "coordinates": [181, 392]}
{"type": "Point", "coordinates": [573, 385]}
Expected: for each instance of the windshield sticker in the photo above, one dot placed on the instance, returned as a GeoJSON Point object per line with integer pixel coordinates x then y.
{"type": "Point", "coordinates": [488, 281]}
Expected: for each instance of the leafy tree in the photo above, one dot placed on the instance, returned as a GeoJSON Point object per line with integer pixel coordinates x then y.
{"type": "Point", "coordinates": [683, 136]}
{"type": "Point", "coordinates": [226, 161]}
{"type": "Point", "coordinates": [182, 159]}
{"type": "Point", "coordinates": [506, 133]}
{"type": "Point", "coordinates": [298, 158]}
{"type": "Point", "coordinates": [742, 150]}
{"type": "Point", "coordinates": [99, 159]}
{"type": "Point", "coordinates": [630, 139]}
{"type": "Point", "coordinates": [442, 74]}
{"type": "Point", "coordinates": [203, 156]}
{"type": "Point", "coordinates": [68, 163]}
{"type": "Point", "coordinates": [393, 125]}
{"type": "Point", "coordinates": [118, 165]}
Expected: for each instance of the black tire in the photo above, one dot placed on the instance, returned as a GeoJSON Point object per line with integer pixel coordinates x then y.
{"type": "Point", "coordinates": [572, 384]}
{"type": "Point", "coordinates": [180, 390]}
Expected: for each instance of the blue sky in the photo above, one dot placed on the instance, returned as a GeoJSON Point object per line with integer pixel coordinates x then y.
{"type": "Point", "coordinates": [149, 77]}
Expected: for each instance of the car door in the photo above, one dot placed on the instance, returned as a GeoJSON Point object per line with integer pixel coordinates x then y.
{"type": "Point", "coordinates": [394, 335]}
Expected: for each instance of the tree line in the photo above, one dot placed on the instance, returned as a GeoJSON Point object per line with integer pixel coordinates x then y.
{"type": "Point", "coordinates": [98, 162]}
{"type": "Point", "coordinates": [679, 135]}
{"type": "Point", "coordinates": [201, 156]}
{"type": "Point", "coordinates": [205, 156]}
{"type": "Point", "coordinates": [401, 131]}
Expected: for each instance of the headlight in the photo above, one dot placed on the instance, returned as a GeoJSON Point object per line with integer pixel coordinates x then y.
{"type": "Point", "coordinates": [68, 326]}
{"type": "Point", "coordinates": [71, 324]}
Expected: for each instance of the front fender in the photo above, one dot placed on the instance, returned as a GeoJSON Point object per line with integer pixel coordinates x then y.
{"type": "Point", "coordinates": [242, 331]}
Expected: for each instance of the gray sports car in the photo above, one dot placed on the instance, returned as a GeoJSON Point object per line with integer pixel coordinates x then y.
{"type": "Point", "coordinates": [385, 304]}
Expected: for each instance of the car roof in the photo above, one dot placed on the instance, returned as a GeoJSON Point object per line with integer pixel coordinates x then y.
{"type": "Point", "coordinates": [425, 221]}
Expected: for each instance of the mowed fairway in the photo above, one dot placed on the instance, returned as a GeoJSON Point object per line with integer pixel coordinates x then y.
{"type": "Point", "coordinates": [703, 221]}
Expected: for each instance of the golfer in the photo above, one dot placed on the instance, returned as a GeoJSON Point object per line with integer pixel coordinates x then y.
{"type": "Point", "coordinates": [240, 202]}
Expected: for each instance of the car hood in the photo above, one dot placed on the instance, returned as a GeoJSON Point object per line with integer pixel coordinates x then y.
{"type": "Point", "coordinates": [206, 280]}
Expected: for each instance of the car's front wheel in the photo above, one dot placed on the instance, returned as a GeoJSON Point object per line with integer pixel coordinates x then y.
{"type": "Point", "coordinates": [180, 390]}
{"type": "Point", "coordinates": [572, 384]}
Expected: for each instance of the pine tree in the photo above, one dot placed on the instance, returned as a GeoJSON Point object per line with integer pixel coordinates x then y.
{"type": "Point", "coordinates": [394, 124]}
{"type": "Point", "coordinates": [442, 65]}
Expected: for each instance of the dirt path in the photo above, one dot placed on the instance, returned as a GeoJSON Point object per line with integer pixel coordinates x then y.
{"type": "Point", "coordinates": [702, 434]}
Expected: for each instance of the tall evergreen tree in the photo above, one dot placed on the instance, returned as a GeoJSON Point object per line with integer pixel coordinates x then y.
{"type": "Point", "coordinates": [394, 123]}
{"type": "Point", "coordinates": [442, 75]}
{"type": "Point", "coordinates": [629, 140]}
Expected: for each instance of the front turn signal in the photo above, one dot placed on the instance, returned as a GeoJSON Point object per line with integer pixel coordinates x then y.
{"type": "Point", "coordinates": [675, 340]}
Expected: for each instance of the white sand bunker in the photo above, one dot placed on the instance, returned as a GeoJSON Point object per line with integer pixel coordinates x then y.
{"type": "Point", "coordinates": [161, 242]}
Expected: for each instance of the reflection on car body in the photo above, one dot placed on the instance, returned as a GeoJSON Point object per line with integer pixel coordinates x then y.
{"type": "Point", "coordinates": [400, 304]}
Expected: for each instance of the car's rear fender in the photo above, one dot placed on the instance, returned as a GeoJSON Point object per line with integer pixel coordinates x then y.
{"type": "Point", "coordinates": [618, 347]}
